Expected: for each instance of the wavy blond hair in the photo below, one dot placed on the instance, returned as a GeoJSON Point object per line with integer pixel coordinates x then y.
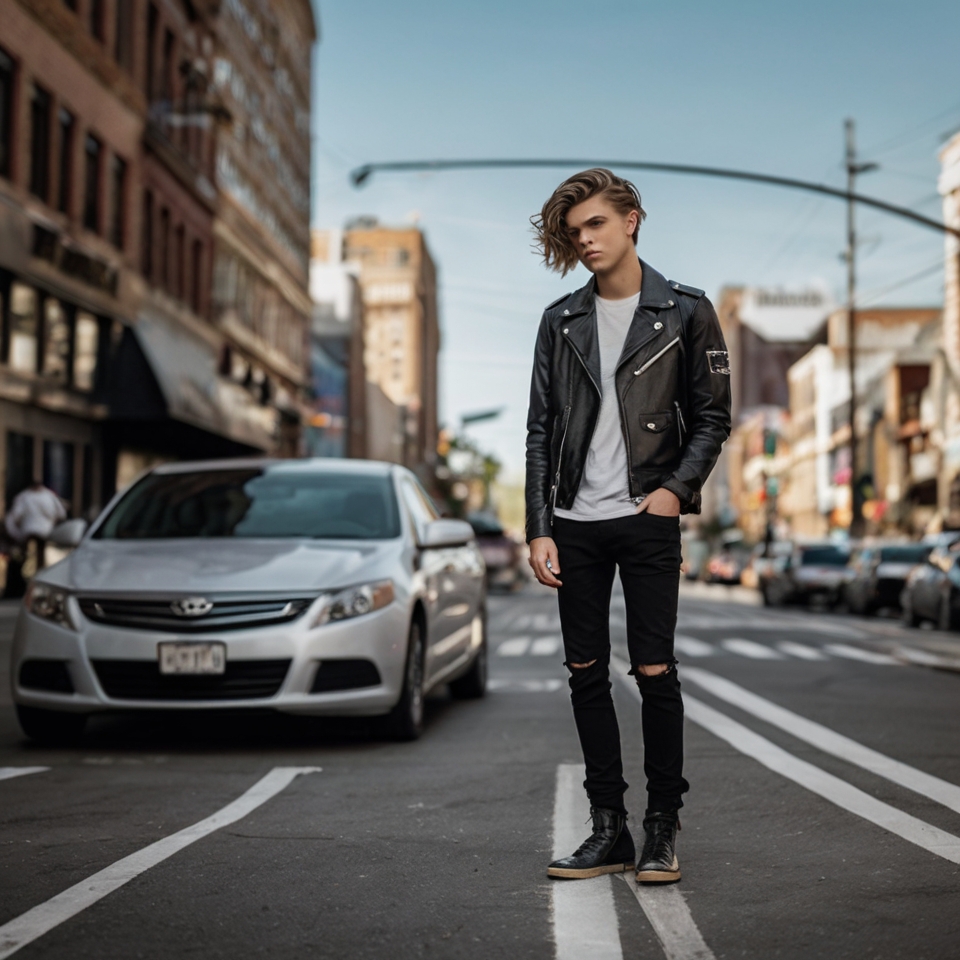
{"type": "Point", "coordinates": [550, 225]}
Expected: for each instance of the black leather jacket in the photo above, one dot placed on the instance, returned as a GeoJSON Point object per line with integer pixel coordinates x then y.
{"type": "Point", "coordinates": [673, 385]}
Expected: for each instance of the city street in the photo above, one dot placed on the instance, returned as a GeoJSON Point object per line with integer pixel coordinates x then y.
{"type": "Point", "coordinates": [823, 820]}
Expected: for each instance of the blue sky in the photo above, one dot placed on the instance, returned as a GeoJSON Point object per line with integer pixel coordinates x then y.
{"type": "Point", "coordinates": [760, 86]}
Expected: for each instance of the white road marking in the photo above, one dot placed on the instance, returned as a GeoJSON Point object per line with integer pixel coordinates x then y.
{"type": "Point", "coordinates": [545, 646]}
{"type": "Point", "coordinates": [44, 917]}
{"type": "Point", "coordinates": [693, 647]}
{"type": "Point", "coordinates": [537, 621]}
{"type": "Point", "coordinates": [584, 914]}
{"type": "Point", "coordinates": [865, 656]}
{"type": "Point", "coordinates": [827, 740]}
{"type": "Point", "coordinates": [800, 650]}
{"type": "Point", "coordinates": [524, 686]}
{"type": "Point", "coordinates": [750, 648]}
{"type": "Point", "coordinates": [8, 773]}
{"type": "Point", "coordinates": [817, 781]}
{"type": "Point", "coordinates": [515, 647]}
{"type": "Point", "coordinates": [671, 920]}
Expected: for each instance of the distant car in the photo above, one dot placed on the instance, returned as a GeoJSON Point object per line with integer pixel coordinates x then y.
{"type": "Point", "coordinates": [725, 567]}
{"type": "Point", "coordinates": [303, 586]}
{"type": "Point", "coordinates": [812, 572]}
{"type": "Point", "coordinates": [502, 554]}
{"type": "Point", "coordinates": [763, 562]}
{"type": "Point", "coordinates": [880, 573]}
{"type": "Point", "coordinates": [932, 590]}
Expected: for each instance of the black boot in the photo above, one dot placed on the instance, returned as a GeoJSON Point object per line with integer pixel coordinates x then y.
{"type": "Point", "coordinates": [658, 861]}
{"type": "Point", "coordinates": [609, 849]}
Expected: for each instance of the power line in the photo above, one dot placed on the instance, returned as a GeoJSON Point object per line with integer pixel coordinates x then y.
{"type": "Point", "coordinates": [875, 295]}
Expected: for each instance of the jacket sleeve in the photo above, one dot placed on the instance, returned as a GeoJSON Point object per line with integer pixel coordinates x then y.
{"type": "Point", "coordinates": [539, 419]}
{"type": "Point", "coordinates": [707, 406]}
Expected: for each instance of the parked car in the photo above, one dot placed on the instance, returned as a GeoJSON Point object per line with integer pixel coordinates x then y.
{"type": "Point", "coordinates": [763, 562]}
{"type": "Point", "coordinates": [932, 590]}
{"type": "Point", "coordinates": [502, 555]}
{"type": "Point", "coordinates": [880, 573]}
{"type": "Point", "coordinates": [812, 572]}
{"type": "Point", "coordinates": [308, 587]}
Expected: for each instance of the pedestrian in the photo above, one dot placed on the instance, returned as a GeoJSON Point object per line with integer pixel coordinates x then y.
{"type": "Point", "coordinates": [30, 520]}
{"type": "Point", "coordinates": [629, 407]}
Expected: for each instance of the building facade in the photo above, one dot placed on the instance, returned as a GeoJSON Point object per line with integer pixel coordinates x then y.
{"type": "Point", "coordinates": [153, 263]}
{"type": "Point", "coordinates": [398, 283]}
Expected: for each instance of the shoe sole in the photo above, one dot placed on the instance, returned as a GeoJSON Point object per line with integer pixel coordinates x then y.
{"type": "Point", "coordinates": [569, 873]}
{"type": "Point", "coordinates": [659, 876]}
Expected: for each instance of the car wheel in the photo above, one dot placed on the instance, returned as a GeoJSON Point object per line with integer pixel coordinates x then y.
{"type": "Point", "coordinates": [405, 720]}
{"type": "Point", "coordinates": [907, 615]}
{"type": "Point", "coordinates": [945, 615]}
{"type": "Point", "coordinates": [54, 727]}
{"type": "Point", "coordinates": [473, 684]}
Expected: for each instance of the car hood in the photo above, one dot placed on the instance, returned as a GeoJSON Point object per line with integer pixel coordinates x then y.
{"type": "Point", "coordinates": [822, 575]}
{"type": "Point", "coordinates": [220, 565]}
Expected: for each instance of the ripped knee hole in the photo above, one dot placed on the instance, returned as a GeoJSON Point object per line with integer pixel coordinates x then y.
{"type": "Point", "coordinates": [652, 669]}
{"type": "Point", "coordinates": [581, 666]}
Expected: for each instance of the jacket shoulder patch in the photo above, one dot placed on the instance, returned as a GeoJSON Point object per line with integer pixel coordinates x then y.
{"type": "Point", "coordinates": [719, 361]}
{"type": "Point", "coordinates": [557, 302]}
{"type": "Point", "coordinates": [683, 288]}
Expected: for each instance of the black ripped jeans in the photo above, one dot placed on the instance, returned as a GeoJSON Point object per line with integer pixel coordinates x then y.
{"type": "Point", "coordinates": [646, 548]}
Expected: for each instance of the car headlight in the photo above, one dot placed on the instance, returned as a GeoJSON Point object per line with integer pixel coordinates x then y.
{"type": "Point", "coordinates": [49, 603]}
{"type": "Point", "coordinates": [354, 602]}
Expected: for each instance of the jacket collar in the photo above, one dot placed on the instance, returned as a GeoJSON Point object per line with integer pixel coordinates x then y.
{"type": "Point", "coordinates": [580, 325]}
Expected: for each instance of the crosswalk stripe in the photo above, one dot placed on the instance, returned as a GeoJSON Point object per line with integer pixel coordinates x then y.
{"type": "Point", "coordinates": [503, 685]}
{"type": "Point", "coordinates": [545, 646]}
{"type": "Point", "coordinates": [750, 648]}
{"type": "Point", "coordinates": [8, 773]}
{"type": "Point", "coordinates": [864, 656]}
{"type": "Point", "coordinates": [800, 650]}
{"type": "Point", "coordinates": [515, 647]}
{"type": "Point", "coordinates": [693, 647]}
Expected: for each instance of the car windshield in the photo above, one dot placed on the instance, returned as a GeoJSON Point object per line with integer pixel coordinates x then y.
{"type": "Point", "coordinates": [255, 502]}
{"type": "Point", "coordinates": [826, 556]}
{"type": "Point", "coordinates": [905, 553]}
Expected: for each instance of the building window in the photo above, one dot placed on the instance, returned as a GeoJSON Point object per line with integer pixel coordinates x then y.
{"type": "Point", "coordinates": [86, 340]}
{"type": "Point", "coordinates": [56, 340]}
{"type": "Point", "coordinates": [166, 76]}
{"type": "Point", "coordinates": [67, 125]}
{"type": "Point", "coordinates": [153, 21]}
{"type": "Point", "coordinates": [196, 275]}
{"type": "Point", "coordinates": [23, 329]}
{"type": "Point", "coordinates": [93, 150]}
{"type": "Point", "coordinates": [147, 252]}
{"type": "Point", "coordinates": [122, 47]}
{"type": "Point", "coordinates": [96, 18]}
{"type": "Point", "coordinates": [58, 468]}
{"type": "Point", "coordinates": [40, 110]}
{"type": "Point", "coordinates": [6, 112]}
{"type": "Point", "coordinates": [180, 264]}
{"type": "Point", "coordinates": [165, 248]}
{"type": "Point", "coordinates": [118, 190]}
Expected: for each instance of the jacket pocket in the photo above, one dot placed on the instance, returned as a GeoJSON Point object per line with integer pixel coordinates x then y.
{"type": "Point", "coordinates": [658, 438]}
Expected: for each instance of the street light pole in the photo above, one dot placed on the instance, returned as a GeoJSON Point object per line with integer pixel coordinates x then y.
{"type": "Point", "coordinates": [853, 168]}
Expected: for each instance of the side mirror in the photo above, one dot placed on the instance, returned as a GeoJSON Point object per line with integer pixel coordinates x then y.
{"type": "Point", "coordinates": [68, 534]}
{"type": "Point", "coordinates": [446, 533]}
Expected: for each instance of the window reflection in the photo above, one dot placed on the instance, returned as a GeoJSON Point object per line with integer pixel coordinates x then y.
{"type": "Point", "coordinates": [56, 352]}
{"type": "Point", "coordinates": [85, 340]}
{"type": "Point", "coordinates": [23, 328]}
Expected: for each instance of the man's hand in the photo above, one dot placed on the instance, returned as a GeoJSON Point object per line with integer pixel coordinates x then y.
{"type": "Point", "coordinates": [543, 551]}
{"type": "Point", "coordinates": [660, 503]}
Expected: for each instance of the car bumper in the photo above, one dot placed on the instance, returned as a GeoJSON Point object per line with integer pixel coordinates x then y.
{"type": "Point", "coordinates": [379, 637]}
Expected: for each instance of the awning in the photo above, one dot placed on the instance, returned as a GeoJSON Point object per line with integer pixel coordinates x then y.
{"type": "Point", "coordinates": [185, 367]}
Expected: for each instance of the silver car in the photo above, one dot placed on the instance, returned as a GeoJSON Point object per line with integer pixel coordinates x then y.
{"type": "Point", "coordinates": [305, 586]}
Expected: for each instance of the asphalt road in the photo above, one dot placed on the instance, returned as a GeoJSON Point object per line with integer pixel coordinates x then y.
{"type": "Point", "coordinates": [823, 819]}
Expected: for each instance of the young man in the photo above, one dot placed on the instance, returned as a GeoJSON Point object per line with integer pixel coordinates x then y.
{"type": "Point", "coordinates": [629, 406]}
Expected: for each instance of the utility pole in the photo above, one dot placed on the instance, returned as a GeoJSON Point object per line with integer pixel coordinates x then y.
{"type": "Point", "coordinates": [853, 169]}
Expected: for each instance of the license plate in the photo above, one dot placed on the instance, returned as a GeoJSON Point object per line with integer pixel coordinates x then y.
{"type": "Point", "coordinates": [192, 657]}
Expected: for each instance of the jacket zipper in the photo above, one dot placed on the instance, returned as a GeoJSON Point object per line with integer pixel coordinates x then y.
{"type": "Point", "coordinates": [556, 479]}
{"type": "Point", "coordinates": [682, 426]}
{"type": "Point", "coordinates": [655, 357]}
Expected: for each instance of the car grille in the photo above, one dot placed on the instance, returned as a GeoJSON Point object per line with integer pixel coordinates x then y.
{"type": "Point", "coordinates": [345, 675]}
{"type": "Point", "coordinates": [142, 680]}
{"type": "Point", "coordinates": [228, 612]}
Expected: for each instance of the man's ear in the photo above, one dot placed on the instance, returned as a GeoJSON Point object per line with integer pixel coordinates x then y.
{"type": "Point", "coordinates": [633, 218]}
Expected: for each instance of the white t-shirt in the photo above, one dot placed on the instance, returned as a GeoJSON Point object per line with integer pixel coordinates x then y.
{"type": "Point", "coordinates": [34, 513]}
{"type": "Point", "coordinates": [604, 491]}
